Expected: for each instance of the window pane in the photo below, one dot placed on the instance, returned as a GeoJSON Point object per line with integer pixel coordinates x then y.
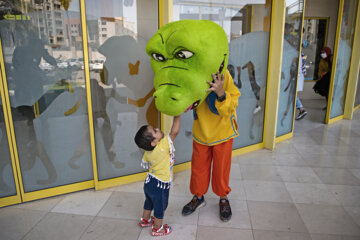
{"type": "Point", "coordinates": [291, 74]}
{"type": "Point", "coordinates": [43, 53]}
{"type": "Point", "coordinates": [7, 184]}
{"type": "Point", "coordinates": [247, 26]}
{"type": "Point", "coordinates": [343, 57]}
{"type": "Point", "coordinates": [121, 80]}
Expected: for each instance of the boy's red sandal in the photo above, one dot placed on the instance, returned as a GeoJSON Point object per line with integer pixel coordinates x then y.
{"type": "Point", "coordinates": [146, 223]}
{"type": "Point", "coordinates": [162, 231]}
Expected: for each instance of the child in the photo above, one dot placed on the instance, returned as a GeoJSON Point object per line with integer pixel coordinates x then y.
{"type": "Point", "coordinates": [159, 158]}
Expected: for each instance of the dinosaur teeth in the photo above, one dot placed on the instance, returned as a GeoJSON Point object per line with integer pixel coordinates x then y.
{"type": "Point", "coordinates": [193, 106]}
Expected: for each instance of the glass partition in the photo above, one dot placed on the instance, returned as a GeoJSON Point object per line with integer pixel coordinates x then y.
{"type": "Point", "coordinates": [121, 80]}
{"type": "Point", "coordinates": [7, 184]}
{"type": "Point", "coordinates": [43, 54]}
{"type": "Point", "coordinates": [314, 38]}
{"type": "Point", "coordinates": [344, 49]}
{"type": "Point", "coordinates": [357, 97]}
{"type": "Point", "coordinates": [247, 26]}
{"type": "Point", "coordinates": [292, 78]}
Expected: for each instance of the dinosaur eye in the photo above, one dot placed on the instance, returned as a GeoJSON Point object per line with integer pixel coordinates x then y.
{"type": "Point", "coordinates": [183, 54]}
{"type": "Point", "coordinates": [158, 57]}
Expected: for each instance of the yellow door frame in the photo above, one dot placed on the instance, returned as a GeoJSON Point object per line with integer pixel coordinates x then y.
{"type": "Point", "coordinates": [290, 134]}
{"type": "Point", "coordinates": [353, 71]}
{"type": "Point", "coordinates": [14, 199]}
{"type": "Point", "coordinates": [329, 120]}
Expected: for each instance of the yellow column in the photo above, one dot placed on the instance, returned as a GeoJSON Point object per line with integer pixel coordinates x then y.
{"type": "Point", "coordinates": [353, 71]}
{"type": "Point", "coordinates": [274, 72]}
{"type": "Point", "coordinates": [165, 16]}
{"type": "Point", "coordinates": [88, 92]}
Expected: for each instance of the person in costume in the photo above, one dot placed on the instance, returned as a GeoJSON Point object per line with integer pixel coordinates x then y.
{"type": "Point", "coordinates": [189, 59]}
{"type": "Point", "coordinates": [159, 158]}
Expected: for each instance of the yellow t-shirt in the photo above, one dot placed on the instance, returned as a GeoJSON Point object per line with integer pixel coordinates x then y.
{"type": "Point", "coordinates": [210, 128]}
{"type": "Point", "coordinates": [160, 161]}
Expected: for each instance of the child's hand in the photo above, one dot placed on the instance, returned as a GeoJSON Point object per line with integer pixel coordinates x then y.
{"type": "Point", "coordinates": [217, 85]}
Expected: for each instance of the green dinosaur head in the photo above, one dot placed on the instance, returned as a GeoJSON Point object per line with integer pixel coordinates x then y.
{"type": "Point", "coordinates": [184, 54]}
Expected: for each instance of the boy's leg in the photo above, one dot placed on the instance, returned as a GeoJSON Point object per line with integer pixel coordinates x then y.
{"type": "Point", "coordinates": [220, 177]}
{"type": "Point", "coordinates": [200, 169]}
{"type": "Point", "coordinates": [221, 168]}
{"type": "Point", "coordinates": [200, 177]}
{"type": "Point", "coordinates": [146, 219]}
{"type": "Point", "coordinates": [160, 204]}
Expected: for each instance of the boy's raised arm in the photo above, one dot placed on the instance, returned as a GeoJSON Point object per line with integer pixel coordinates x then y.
{"type": "Point", "coordinates": [175, 128]}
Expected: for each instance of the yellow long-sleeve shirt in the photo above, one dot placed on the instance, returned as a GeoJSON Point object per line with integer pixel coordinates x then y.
{"type": "Point", "coordinates": [218, 125]}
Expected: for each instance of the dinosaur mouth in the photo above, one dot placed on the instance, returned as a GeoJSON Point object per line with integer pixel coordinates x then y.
{"type": "Point", "coordinates": [221, 66]}
{"type": "Point", "coordinates": [192, 106]}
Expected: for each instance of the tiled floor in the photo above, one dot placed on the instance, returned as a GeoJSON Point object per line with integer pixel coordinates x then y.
{"type": "Point", "coordinates": [308, 188]}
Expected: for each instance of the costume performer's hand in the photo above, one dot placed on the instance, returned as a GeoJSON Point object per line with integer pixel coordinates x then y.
{"type": "Point", "coordinates": [217, 84]}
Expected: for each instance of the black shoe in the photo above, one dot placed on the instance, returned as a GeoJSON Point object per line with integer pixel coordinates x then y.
{"type": "Point", "coordinates": [193, 205]}
{"type": "Point", "coordinates": [225, 210]}
{"type": "Point", "coordinates": [301, 114]}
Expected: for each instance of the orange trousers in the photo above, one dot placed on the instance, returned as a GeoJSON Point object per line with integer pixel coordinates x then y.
{"type": "Point", "coordinates": [202, 157]}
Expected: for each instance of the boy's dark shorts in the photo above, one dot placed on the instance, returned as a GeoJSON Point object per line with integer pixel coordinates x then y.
{"type": "Point", "coordinates": [156, 198]}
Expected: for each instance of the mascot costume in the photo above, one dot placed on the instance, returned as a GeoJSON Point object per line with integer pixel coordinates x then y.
{"type": "Point", "coordinates": [189, 60]}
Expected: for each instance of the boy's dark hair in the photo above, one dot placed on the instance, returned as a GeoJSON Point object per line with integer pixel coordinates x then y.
{"type": "Point", "coordinates": [143, 139]}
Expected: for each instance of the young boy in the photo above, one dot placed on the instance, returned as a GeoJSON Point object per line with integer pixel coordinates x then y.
{"type": "Point", "coordinates": [159, 158]}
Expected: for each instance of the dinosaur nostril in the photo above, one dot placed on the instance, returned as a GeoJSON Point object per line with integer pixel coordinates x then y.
{"type": "Point", "coordinates": [174, 99]}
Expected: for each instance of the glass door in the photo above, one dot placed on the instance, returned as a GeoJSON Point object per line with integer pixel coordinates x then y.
{"type": "Point", "coordinates": [340, 73]}
{"type": "Point", "coordinates": [42, 48]}
{"type": "Point", "coordinates": [292, 77]}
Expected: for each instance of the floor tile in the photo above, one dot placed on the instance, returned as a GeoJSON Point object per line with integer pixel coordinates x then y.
{"type": "Point", "coordinates": [209, 215]}
{"type": "Point", "coordinates": [46, 204]}
{"type": "Point", "coordinates": [294, 160]}
{"type": "Point", "coordinates": [266, 191]}
{"type": "Point", "coordinates": [346, 195]}
{"type": "Point", "coordinates": [298, 174]}
{"type": "Point", "coordinates": [332, 237]}
{"type": "Point", "coordinates": [354, 212]}
{"type": "Point", "coordinates": [111, 229]}
{"type": "Point", "coordinates": [328, 220]}
{"type": "Point", "coordinates": [83, 203]}
{"type": "Point", "coordinates": [15, 223]}
{"type": "Point", "coordinates": [311, 193]}
{"type": "Point", "coordinates": [277, 235]}
{"type": "Point", "coordinates": [59, 226]}
{"type": "Point", "coordinates": [260, 173]}
{"type": "Point", "coordinates": [124, 205]}
{"type": "Point", "coordinates": [336, 176]}
{"type": "Point", "coordinates": [207, 233]}
{"type": "Point", "coordinates": [275, 217]}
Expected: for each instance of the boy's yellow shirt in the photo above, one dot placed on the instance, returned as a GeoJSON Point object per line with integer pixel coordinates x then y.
{"type": "Point", "coordinates": [210, 128]}
{"type": "Point", "coordinates": [161, 160]}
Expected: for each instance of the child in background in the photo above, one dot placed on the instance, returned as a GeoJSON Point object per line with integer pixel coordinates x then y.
{"type": "Point", "coordinates": [159, 158]}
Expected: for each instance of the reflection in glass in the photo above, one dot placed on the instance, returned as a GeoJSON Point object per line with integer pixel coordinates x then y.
{"type": "Point", "coordinates": [357, 97]}
{"type": "Point", "coordinates": [289, 67]}
{"type": "Point", "coordinates": [121, 80]}
{"type": "Point", "coordinates": [43, 54]}
{"type": "Point", "coordinates": [247, 27]}
{"type": "Point", "coordinates": [343, 57]}
{"type": "Point", "coordinates": [7, 184]}
{"type": "Point", "coordinates": [314, 38]}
